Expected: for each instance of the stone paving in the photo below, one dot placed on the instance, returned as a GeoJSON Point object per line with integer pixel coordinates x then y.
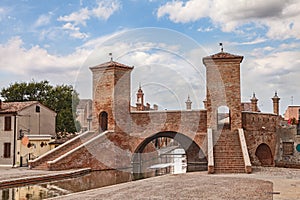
{"type": "Point", "coordinates": [283, 182]}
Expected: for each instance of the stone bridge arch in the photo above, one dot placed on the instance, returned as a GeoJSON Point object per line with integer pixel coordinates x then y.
{"type": "Point", "coordinates": [196, 159]}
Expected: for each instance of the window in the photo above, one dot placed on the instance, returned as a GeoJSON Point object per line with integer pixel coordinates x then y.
{"type": "Point", "coordinates": [6, 150]}
{"type": "Point", "coordinates": [5, 194]}
{"type": "Point", "coordinates": [7, 123]}
{"type": "Point", "coordinates": [103, 121]}
{"type": "Point", "coordinates": [37, 109]}
{"type": "Point", "coordinates": [288, 148]}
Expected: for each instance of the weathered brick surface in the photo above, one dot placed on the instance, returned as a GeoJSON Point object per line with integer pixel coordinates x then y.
{"type": "Point", "coordinates": [131, 130]}
{"type": "Point", "coordinates": [223, 87]}
{"type": "Point", "coordinates": [42, 163]}
{"type": "Point", "coordinates": [228, 157]}
{"type": "Point", "coordinates": [260, 129]}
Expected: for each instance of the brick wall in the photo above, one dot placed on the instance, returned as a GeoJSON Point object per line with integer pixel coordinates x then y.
{"type": "Point", "coordinates": [260, 128]}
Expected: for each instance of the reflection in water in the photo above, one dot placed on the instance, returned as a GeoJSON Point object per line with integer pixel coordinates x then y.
{"type": "Point", "coordinates": [168, 159]}
{"type": "Point", "coordinates": [89, 181]}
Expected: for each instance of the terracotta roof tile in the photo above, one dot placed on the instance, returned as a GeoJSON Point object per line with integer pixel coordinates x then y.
{"type": "Point", "coordinates": [12, 107]}
{"type": "Point", "coordinates": [223, 55]}
{"type": "Point", "coordinates": [111, 64]}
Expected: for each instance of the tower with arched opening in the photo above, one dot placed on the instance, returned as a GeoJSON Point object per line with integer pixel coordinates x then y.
{"type": "Point", "coordinates": [223, 88]}
{"type": "Point", "coordinates": [111, 96]}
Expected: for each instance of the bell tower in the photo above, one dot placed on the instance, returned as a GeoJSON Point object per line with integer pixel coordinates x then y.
{"type": "Point", "coordinates": [223, 89]}
{"type": "Point", "coordinates": [111, 96]}
{"type": "Point", "coordinates": [140, 99]}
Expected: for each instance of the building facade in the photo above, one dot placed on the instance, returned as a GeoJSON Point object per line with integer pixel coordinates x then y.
{"type": "Point", "coordinates": [25, 130]}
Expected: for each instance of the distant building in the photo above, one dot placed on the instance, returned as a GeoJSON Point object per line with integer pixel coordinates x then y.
{"type": "Point", "coordinates": [26, 128]}
{"type": "Point", "coordinates": [140, 102]}
{"type": "Point", "coordinates": [84, 113]}
{"type": "Point", "coordinates": [292, 112]}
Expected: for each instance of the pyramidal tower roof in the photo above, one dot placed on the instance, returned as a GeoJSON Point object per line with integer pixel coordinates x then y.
{"type": "Point", "coordinates": [222, 55]}
{"type": "Point", "coordinates": [111, 64]}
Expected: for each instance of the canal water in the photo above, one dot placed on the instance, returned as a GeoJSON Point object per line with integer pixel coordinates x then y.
{"type": "Point", "coordinates": [176, 163]}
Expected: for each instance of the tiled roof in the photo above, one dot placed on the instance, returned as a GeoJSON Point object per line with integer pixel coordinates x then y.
{"type": "Point", "coordinates": [13, 107]}
{"type": "Point", "coordinates": [111, 64]}
{"type": "Point", "coordinates": [223, 55]}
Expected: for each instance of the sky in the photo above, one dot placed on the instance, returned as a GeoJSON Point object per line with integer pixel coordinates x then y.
{"type": "Point", "coordinates": [164, 40]}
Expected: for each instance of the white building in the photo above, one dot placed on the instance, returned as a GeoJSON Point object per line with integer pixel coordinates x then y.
{"type": "Point", "coordinates": [26, 128]}
{"type": "Point", "coordinates": [84, 113]}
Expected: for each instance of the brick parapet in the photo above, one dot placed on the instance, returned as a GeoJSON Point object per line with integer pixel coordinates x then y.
{"type": "Point", "coordinates": [190, 123]}
{"type": "Point", "coordinates": [260, 128]}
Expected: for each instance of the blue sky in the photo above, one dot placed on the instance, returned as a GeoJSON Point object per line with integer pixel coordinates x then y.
{"type": "Point", "coordinates": [59, 40]}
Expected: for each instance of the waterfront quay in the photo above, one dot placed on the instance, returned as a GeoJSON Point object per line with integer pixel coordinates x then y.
{"type": "Point", "coordinates": [263, 183]}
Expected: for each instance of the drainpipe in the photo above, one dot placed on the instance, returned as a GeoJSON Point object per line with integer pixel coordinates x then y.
{"type": "Point", "coordinates": [15, 137]}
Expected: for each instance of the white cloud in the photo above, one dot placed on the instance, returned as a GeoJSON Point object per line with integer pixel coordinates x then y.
{"type": "Point", "coordinates": [74, 31]}
{"type": "Point", "coordinates": [181, 12]}
{"type": "Point", "coordinates": [208, 29]}
{"type": "Point", "coordinates": [103, 10]}
{"type": "Point", "coordinates": [280, 18]}
{"type": "Point", "coordinates": [271, 69]}
{"type": "Point", "coordinates": [43, 20]}
{"type": "Point", "coordinates": [21, 61]}
{"type": "Point", "coordinates": [79, 17]}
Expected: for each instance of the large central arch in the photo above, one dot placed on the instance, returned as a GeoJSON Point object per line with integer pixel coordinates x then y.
{"type": "Point", "coordinates": [196, 159]}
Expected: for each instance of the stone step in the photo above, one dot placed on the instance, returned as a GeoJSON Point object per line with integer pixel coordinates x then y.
{"type": "Point", "coordinates": [60, 152]}
{"type": "Point", "coordinates": [224, 171]}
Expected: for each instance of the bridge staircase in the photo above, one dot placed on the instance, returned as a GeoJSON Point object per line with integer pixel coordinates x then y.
{"type": "Point", "coordinates": [229, 153]}
{"type": "Point", "coordinates": [40, 163]}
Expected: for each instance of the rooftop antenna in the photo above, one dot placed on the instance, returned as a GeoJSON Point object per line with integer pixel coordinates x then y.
{"type": "Point", "coordinates": [292, 100]}
{"type": "Point", "coordinates": [221, 45]}
{"type": "Point", "coordinates": [111, 58]}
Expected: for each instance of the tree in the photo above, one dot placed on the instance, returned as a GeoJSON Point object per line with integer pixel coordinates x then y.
{"type": "Point", "coordinates": [63, 99]}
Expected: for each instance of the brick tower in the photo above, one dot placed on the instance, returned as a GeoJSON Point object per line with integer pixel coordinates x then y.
{"type": "Point", "coordinates": [275, 100]}
{"type": "Point", "coordinates": [223, 88]}
{"type": "Point", "coordinates": [224, 112]}
{"type": "Point", "coordinates": [254, 100]}
{"type": "Point", "coordinates": [111, 96]}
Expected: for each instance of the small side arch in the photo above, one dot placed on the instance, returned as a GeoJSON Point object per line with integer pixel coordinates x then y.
{"type": "Point", "coordinates": [264, 155]}
{"type": "Point", "coordinates": [103, 121]}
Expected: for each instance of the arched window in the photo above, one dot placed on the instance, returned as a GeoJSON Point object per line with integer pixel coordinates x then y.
{"type": "Point", "coordinates": [103, 121]}
{"type": "Point", "coordinates": [223, 117]}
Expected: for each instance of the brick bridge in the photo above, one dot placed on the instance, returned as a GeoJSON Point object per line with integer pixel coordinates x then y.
{"type": "Point", "coordinates": [229, 141]}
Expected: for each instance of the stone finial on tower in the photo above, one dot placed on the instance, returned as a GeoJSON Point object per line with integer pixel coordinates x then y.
{"type": "Point", "coordinates": [188, 103]}
{"type": "Point", "coordinates": [254, 100]}
{"type": "Point", "coordinates": [276, 104]}
{"type": "Point", "coordinates": [140, 99]}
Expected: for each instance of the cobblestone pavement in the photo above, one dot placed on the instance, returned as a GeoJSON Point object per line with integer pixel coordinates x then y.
{"type": "Point", "coordinates": [286, 181]}
{"type": "Point", "coordinates": [283, 182]}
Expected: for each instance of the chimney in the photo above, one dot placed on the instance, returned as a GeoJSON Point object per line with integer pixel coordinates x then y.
{"type": "Point", "coordinates": [254, 103]}
{"type": "Point", "coordinates": [276, 104]}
